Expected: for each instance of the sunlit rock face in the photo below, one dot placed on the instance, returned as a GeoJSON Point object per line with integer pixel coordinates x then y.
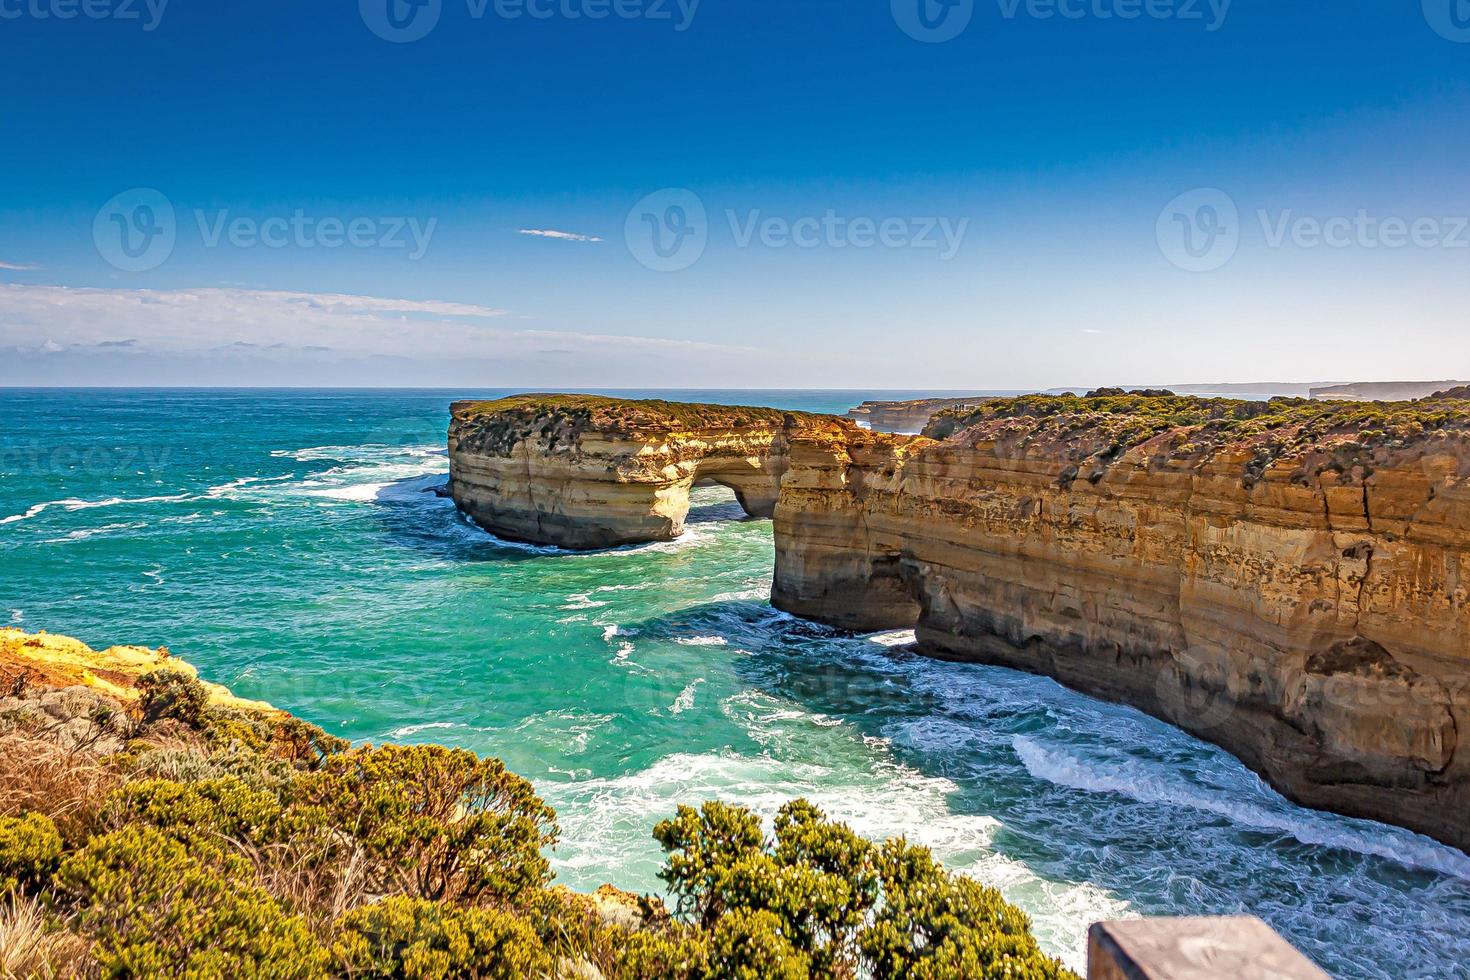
{"type": "Point", "coordinates": [907, 416]}
{"type": "Point", "coordinates": [585, 473]}
{"type": "Point", "coordinates": [1283, 580]}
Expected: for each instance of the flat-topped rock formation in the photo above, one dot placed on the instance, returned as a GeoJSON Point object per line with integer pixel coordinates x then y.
{"type": "Point", "coordinates": [584, 472]}
{"type": "Point", "coordinates": [1383, 390]}
{"type": "Point", "coordinates": [908, 416]}
{"type": "Point", "coordinates": [1290, 580]}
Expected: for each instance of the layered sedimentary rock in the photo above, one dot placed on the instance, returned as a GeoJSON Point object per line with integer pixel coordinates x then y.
{"type": "Point", "coordinates": [1290, 581]}
{"type": "Point", "coordinates": [583, 472]}
{"type": "Point", "coordinates": [907, 416]}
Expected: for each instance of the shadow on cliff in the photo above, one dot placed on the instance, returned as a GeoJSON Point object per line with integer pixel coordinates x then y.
{"type": "Point", "coordinates": [890, 696]}
{"type": "Point", "coordinates": [1102, 803]}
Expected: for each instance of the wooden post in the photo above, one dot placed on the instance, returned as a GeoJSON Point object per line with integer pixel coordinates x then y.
{"type": "Point", "coordinates": [1231, 948]}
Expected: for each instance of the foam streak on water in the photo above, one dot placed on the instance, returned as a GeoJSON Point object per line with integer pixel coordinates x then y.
{"type": "Point", "coordinates": [294, 554]}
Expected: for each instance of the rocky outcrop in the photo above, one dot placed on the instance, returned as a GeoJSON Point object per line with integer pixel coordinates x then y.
{"type": "Point", "coordinates": [907, 416]}
{"type": "Point", "coordinates": [1382, 390]}
{"type": "Point", "coordinates": [1289, 580]}
{"type": "Point", "coordinates": [584, 473]}
{"type": "Point", "coordinates": [61, 662]}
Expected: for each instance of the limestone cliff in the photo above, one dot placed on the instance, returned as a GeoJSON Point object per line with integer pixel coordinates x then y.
{"type": "Point", "coordinates": [583, 472]}
{"type": "Point", "coordinates": [1290, 580]}
{"type": "Point", "coordinates": [907, 416]}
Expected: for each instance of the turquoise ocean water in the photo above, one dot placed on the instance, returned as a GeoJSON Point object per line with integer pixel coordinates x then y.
{"type": "Point", "coordinates": [282, 541]}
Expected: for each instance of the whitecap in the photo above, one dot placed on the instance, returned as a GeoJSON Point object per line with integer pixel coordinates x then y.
{"type": "Point", "coordinates": [685, 700]}
{"type": "Point", "coordinates": [408, 731]}
{"type": "Point", "coordinates": [71, 504]}
{"type": "Point", "coordinates": [702, 641]}
{"type": "Point", "coordinates": [1154, 784]}
{"type": "Point", "coordinates": [93, 532]}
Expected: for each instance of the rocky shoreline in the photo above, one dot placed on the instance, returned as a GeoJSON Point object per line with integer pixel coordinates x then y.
{"type": "Point", "coordinates": [1283, 579]}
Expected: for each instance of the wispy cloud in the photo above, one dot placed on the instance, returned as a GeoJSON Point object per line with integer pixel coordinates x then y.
{"type": "Point", "coordinates": [12, 267]}
{"type": "Point", "coordinates": [49, 318]}
{"type": "Point", "coordinates": [561, 236]}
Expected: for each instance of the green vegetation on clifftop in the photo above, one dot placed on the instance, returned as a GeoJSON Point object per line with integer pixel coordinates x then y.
{"type": "Point", "coordinates": [1348, 438]}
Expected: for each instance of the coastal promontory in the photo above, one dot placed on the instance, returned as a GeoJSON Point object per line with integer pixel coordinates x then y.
{"type": "Point", "coordinates": [1287, 579]}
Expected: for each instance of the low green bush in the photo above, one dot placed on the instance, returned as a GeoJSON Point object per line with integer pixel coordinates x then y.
{"type": "Point", "coordinates": [153, 907]}
{"type": "Point", "coordinates": [818, 900]}
{"type": "Point", "coordinates": [166, 694]}
{"type": "Point", "coordinates": [421, 940]}
{"type": "Point", "coordinates": [211, 809]}
{"type": "Point", "coordinates": [230, 843]}
{"type": "Point", "coordinates": [442, 824]}
{"type": "Point", "coordinates": [30, 849]}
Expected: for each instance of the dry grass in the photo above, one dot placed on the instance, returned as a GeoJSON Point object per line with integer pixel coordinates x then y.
{"type": "Point", "coordinates": [37, 775]}
{"type": "Point", "coordinates": [30, 949]}
{"type": "Point", "coordinates": [321, 880]}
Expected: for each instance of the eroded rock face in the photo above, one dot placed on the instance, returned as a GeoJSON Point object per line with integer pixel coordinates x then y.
{"type": "Point", "coordinates": [1290, 581]}
{"type": "Point", "coordinates": [907, 416]}
{"type": "Point", "coordinates": [586, 473]}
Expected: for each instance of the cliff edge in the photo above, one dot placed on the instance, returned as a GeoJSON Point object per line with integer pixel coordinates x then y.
{"type": "Point", "coordinates": [1284, 579]}
{"type": "Point", "coordinates": [584, 472]}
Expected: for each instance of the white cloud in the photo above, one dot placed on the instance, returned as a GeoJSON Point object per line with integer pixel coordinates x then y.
{"type": "Point", "coordinates": [190, 321]}
{"type": "Point", "coordinates": [12, 267]}
{"type": "Point", "coordinates": [564, 236]}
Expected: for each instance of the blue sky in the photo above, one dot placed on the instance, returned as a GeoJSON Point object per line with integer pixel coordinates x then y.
{"type": "Point", "coordinates": [845, 204]}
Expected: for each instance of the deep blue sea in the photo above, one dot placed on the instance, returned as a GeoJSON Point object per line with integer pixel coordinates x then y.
{"type": "Point", "coordinates": [281, 541]}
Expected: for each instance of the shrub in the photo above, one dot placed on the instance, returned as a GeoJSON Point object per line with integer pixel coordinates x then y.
{"type": "Point", "coordinates": [170, 694]}
{"type": "Point", "coordinates": [210, 809]}
{"type": "Point", "coordinates": [154, 908]}
{"type": "Point", "coordinates": [750, 945]}
{"type": "Point", "coordinates": [420, 940]}
{"type": "Point", "coordinates": [441, 823]}
{"type": "Point", "coordinates": [703, 846]}
{"type": "Point", "coordinates": [669, 955]}
{"type": "Point", "coordinates": [937, 926]}
{"type": "Point", "coordinates": [30, 849]}
{"type": "Point", "coordinates": [818, 900]}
